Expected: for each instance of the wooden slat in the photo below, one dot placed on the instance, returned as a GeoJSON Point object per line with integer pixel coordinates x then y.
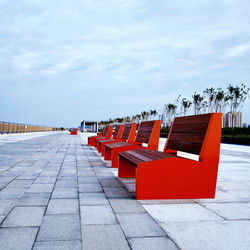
{"type": "Point", "coordinates": [188, 147]}
{"type": "Point", "coordinates": [188, 133]}
{"type": "Point", "coordinates": [117, 128]}
{"type": "Point", "coordinates": [193, 119]}
{"type": "Point", "coordinates": [144, 131]}
{"type": "Point", "coordinates": [195, 128]}
{"type": "Point", "coordinates": [117, 144]}
{"type": "Point", "coordinates": [105, 131]}
{"type": "Point", "coordinates": [144, 155]}
{"type": "Point", "coordinates": [108, 140]}
{"type": "Point", "coordinates": [185, 137]}
{"type": "Point", "coordinates": [126, 131]}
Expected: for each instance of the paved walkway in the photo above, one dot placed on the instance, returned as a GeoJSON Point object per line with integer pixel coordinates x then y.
{"type": "Point", "coordinates": [57, 193]}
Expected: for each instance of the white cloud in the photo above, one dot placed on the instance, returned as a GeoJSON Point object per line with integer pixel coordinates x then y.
{"type": "Point", "coordinates": [120, 47]}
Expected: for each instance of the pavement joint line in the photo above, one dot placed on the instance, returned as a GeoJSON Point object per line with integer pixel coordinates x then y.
{"type": "Point", "coordinates": [118, 222]}
{"type": "Point", "coordinates": [35, 240]}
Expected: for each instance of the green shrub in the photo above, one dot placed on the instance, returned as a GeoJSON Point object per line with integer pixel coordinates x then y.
{"type": "Point", "coordinates": [237, 139]}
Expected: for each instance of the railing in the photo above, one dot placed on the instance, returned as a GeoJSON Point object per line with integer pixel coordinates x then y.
{"type": "Point", "coordinates": [11, 128]}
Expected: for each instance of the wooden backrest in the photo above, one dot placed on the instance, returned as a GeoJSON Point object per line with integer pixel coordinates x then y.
{"type": "Point", "coordinates": [117, 128]}
{"type": "Point", "coordinates": [126, 131]}
{"type": "Point", "coordinates": [105, 131]}
{"type": "Point", "coordinates": [149, 132]}
{"type": "Point", "coordinates": [187, 133]}
{"type": "Point", "coordinates": [144, 131]}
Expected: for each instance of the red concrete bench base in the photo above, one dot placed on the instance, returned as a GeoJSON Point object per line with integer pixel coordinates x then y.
{"type": "Point", "coordinates": [164, 175]}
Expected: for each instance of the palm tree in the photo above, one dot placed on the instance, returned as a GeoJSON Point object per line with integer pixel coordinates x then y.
{"type": "Point", "coordinates": [185, 104]}
{"type": "Point", "coordinates": [170, 111]}
{"type": "Point", "coordinates": [197, 100]}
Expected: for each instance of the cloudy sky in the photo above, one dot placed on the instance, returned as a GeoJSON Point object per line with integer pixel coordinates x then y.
{"type": "Point", "coordinates": [65, 61]}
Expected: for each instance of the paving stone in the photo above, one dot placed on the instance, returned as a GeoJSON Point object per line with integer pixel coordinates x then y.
{"type": "Point", "coordinates": [6, 206]}
{"type": "Point", "coordinates": [34, 199]}
{"type": "Point", "coordinates": [230, 211]}
{"type": "Point", "coordinates": [59, 227]}
{"type": "Point", "coordinates": [90, 188]}
{"type": "Point", "coordinates": [93, 199]}
{"type": "Point", "coordinates": [20, 183]}
{"type": "Point", "coordinates": [139, 225]}
{"type": "Point", "coordinates": [113, 182]}
{"type": "Point", "coordinates": [88, 180]}
{"type": "Point", "coordinates": [101, 214]}
{"type": "Point", "coordinates": [24, 217]}
{"type": "Point", "coordinates": [45, 180]}
{"type": "Point", "coordinates": [66, 183]}
{"type": "Point", "coordinates": [150, 243]}
{"type": "Point", "coordinates": [65, 193]}
{"type": "Point", "coordinates": [12, 193]}
{"type": "Point", "coordinates": [209, 234]}
{"type": "Point", "coordinates": [17, 238]}
{"type": "Point", "coordinates": [100, 237]}
{"type": "Point", "coordinates": [63, 206]}
{"type": "Point", "coordinates": [116, 192]}
{"type": "Point", "coordinates": [170, 201]}
{"type": "Point", "coordinates": [180, 212]}
{"type": "Point", "coordinates": [57, 245]}
{"type": "Point", "coordinates": [40, 188]}
{"type": "Point", "coordinates": [126, 206]}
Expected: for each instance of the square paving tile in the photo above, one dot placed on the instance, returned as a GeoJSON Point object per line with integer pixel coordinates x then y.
{"type": "Point", "coordinates": [139, 225]}
{"type": "Point", "coordinates": [17, 238]}
{"type": "Point", "coordinates": [59, 227]}
{"type": "Point", "coordinates": [126, 206]}
{"type": "Point", "coordinates": [66, 183]}
{"type": "Point", "coordinates": [20, 183]}
{"type": "Point", "coordinates": [65, 193]}
{"type": "Point", "coordinates": [41, 188]}
{"type": "Point", "coordinates": [101, 214]}
{"type": "Point", "coordinates": [100, 237]}
{"type": "Point", "coordinates": [150, 243]}
{"type": "Point", "coordinates": [34, 199]}
{"type": "Point", "coordinates": [12, 193]}
{"type": "Point", "coordinates": [6, 206]}
{"type": "Point", "coordinates": [90, 188]}
{"type": "Point", "coordinates": [57, 245]}
{"type": "Point", "coordinates": [45, 180]}
{"type": "Point", "coordinates": [93, 199]}
{"type": "Point", "coordinates": [231, 211]}
{"type": "Point", "coordinates": [24, 217]}
{"type": "Point", "coordinates": [63, 206]}
{"type": "Point", "coordinates": [116, 192]}
{"type": "Point", "coordinates": [180, 212]}
{"type": "Point", "coordinates": [209, 235]}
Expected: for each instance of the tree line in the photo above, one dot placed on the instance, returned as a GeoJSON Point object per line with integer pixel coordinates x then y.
{"type": "Point", "coordinates": [210, 100]}
{"type": "Point", "coordinates": [143, 116]}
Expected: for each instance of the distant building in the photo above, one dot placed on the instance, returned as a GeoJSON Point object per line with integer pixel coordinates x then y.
{"type": "Point", "coordinates": [232, 119]}
{"type": "Point", "coordinates": [89, 126]}
{"type": "Point", "coordinates": [245, 125]}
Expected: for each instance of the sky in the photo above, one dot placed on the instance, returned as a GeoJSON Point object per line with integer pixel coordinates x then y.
{"type": "Point", "coordinates": [63, 61]}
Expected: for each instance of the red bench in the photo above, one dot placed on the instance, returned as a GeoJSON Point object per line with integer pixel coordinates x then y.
{"type": "Point", "coordinates": [116, 137]}
{"type": "Point", "coordinates": [108, 135]}
{"type": "Point", "coordinates": [74, 132]}
{"type": "Point", "coordinates": [128, 135]}
{"type": "Point", "coordinates": [148, 132]}
{"type": "Point", "coordinates": [165, 175]}
{"type": "Point", "coordinates": [91, 139]}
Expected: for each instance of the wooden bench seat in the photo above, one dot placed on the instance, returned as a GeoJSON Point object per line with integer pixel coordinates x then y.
{"type": "Point", "coordinates": [164, 175]}
{"type": "Point", "coordinates": [107, 133]}
{"type": "Point", "coordinates": [116, 137]}
{"type": "Point", "coordinates": [144, 155]}
{"type": "Point", "coordinates": [148, 133]}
